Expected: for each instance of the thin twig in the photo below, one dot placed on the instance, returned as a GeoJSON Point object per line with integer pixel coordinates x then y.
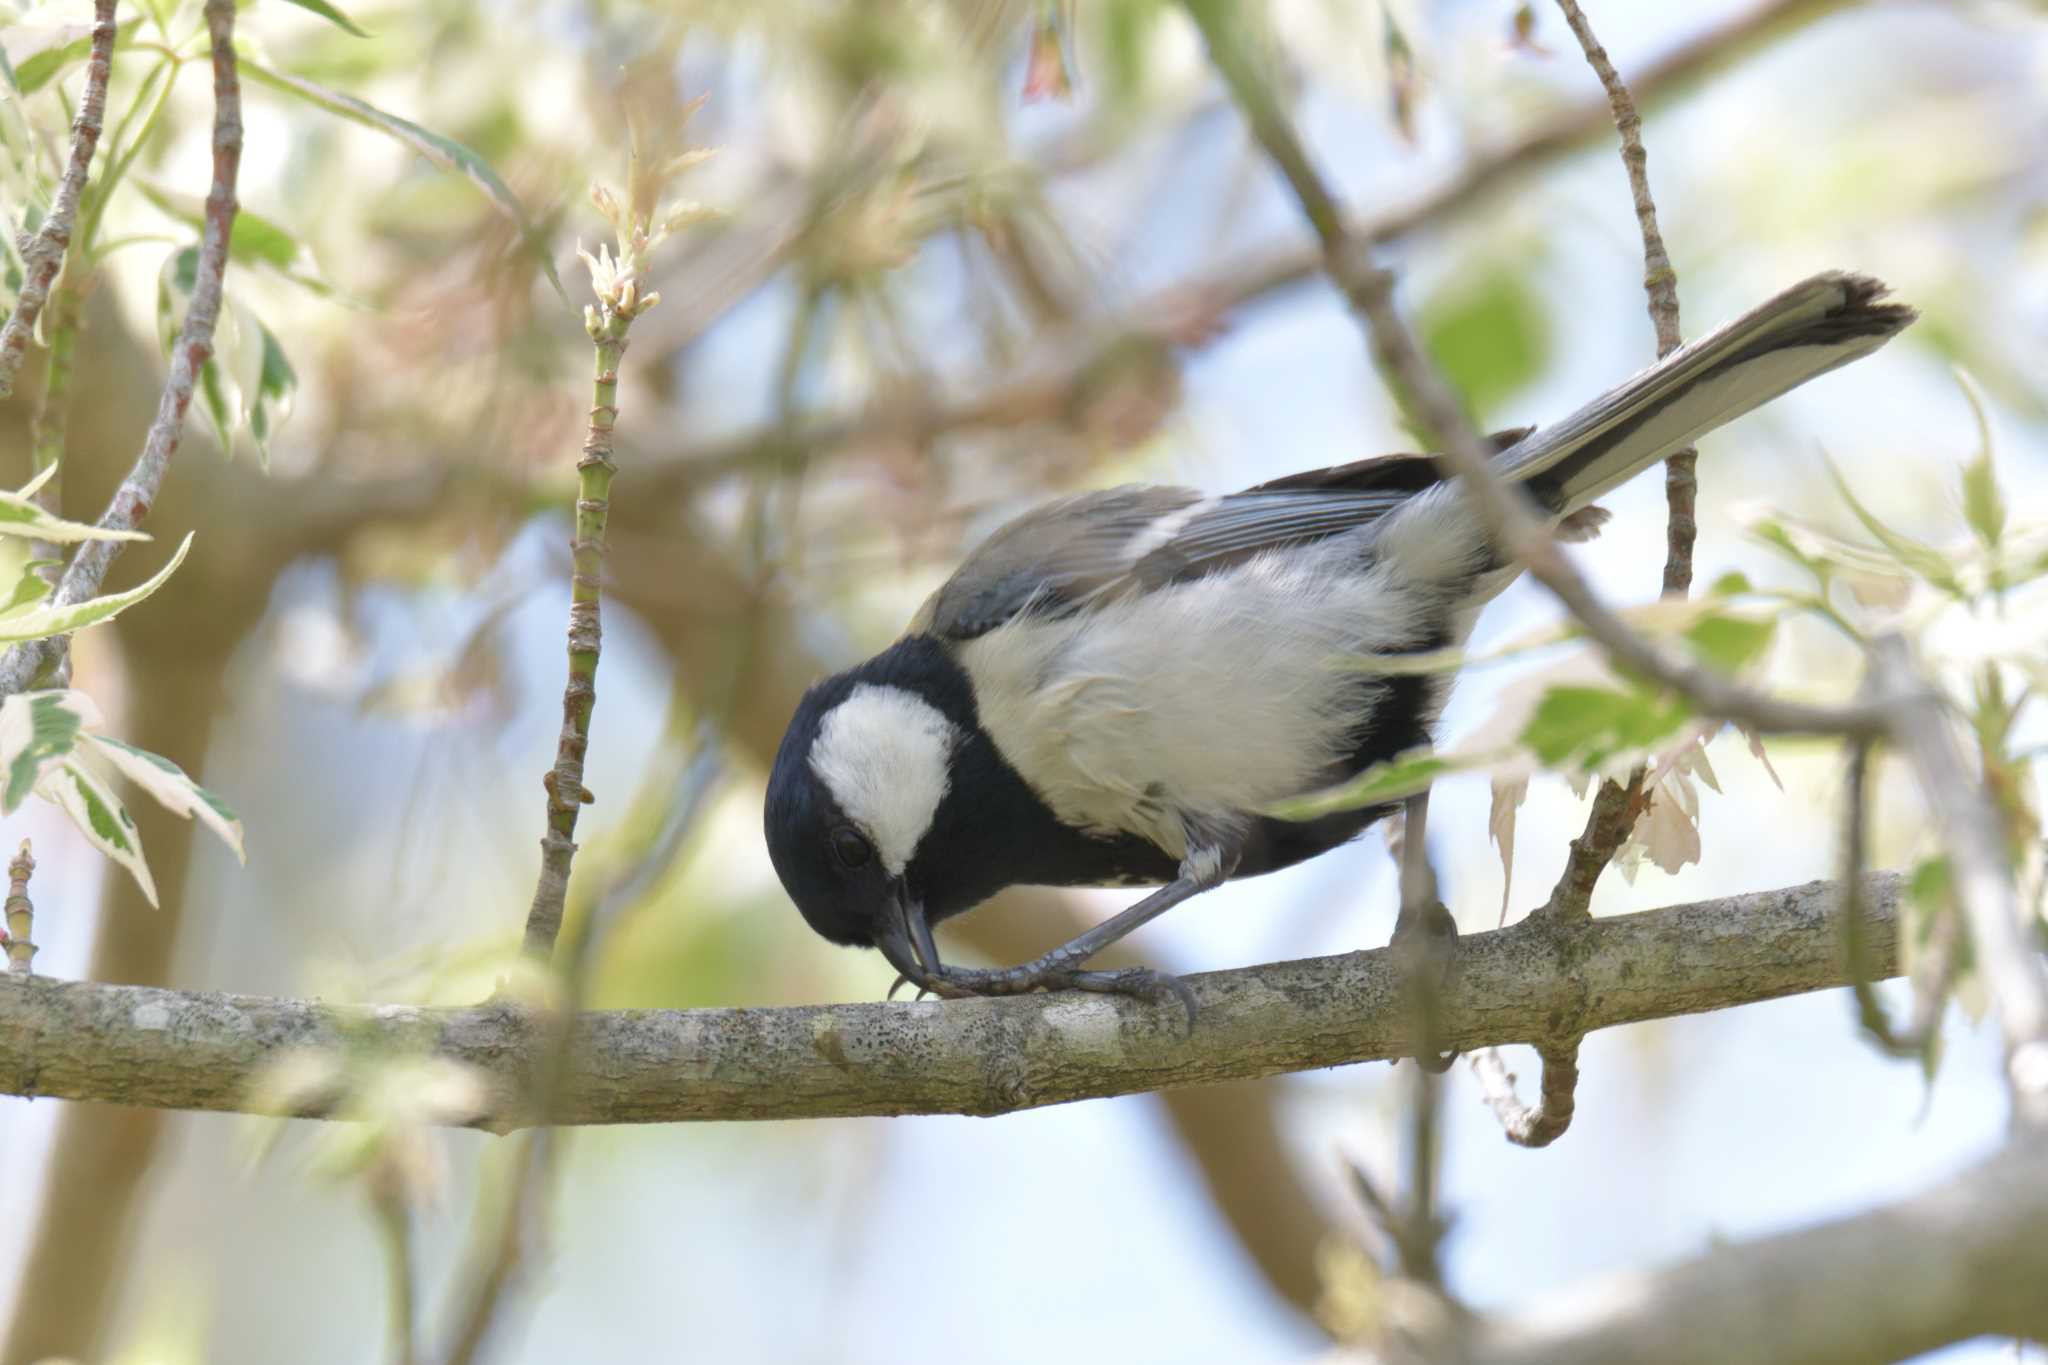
{"type": "Point", "coordinates": [138, 492]}
{"type": "Point", "coordinates": [42, 256]}
{"type": "Point", "coordinates": [1619, 804]}
{"type": "Point", "coordinates": [1542, 1123]}
{"type": "Point", "coordinates": [1936, 968]}
{"type": "Point", "coordinates": [1616, 808]}
{"type": "Point", "coordinates": [21, 912]}
{"type": "Point", "coordinates": [566, 793]}
{"type": "Point", "coordinates": [1660, 283]}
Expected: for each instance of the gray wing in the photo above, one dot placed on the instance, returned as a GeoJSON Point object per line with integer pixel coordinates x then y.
{"type": "Point", "coordinates": [1090, 549]}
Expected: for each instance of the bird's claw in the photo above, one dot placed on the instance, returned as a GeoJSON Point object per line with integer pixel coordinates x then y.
{"type": "Point", "coordinates": [1139, 983]}
{"type": "Point", "coordinates": [1425, 942]}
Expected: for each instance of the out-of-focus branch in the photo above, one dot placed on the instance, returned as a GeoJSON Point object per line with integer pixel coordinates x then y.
{"type": "Point", "coordinates": [42, 256]}
{"type": "Point", "coordinates": [170, 1049]}
{"type": "Point", "coordinates": [132, 501]}
{"type": "Point", "coordinates": [392, 1213]}
{"type": "Point", "coordinates": [1189, 312]}
{"type": "Point", "coordinates": [1973, 830]}
{"type": "Point", "coordinates": [1965, 1258]}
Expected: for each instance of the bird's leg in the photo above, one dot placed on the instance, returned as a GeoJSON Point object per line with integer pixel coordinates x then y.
{"type": "Point", "coordinates": [1059, 969]}
{"type": "Point", "coordinates": [1422, 912]}
{"type": "Point", "coordinates": [1425, 933]}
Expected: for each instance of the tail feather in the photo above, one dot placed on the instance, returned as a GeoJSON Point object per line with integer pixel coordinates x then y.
{"type": "Point", "coordinates": [1826, 321]}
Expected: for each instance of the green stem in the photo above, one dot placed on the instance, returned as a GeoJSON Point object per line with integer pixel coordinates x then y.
{"type": "Point", "coordinates": [564, 782]}
{"type": "Point", "coordinates": [53, 411]}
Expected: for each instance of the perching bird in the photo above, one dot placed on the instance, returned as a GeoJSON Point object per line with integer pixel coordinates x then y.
{"type": "Point", "coordinates": [1114, 689]}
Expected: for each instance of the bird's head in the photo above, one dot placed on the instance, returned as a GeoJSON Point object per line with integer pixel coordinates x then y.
{"type": "Point", "coordinates": [856, 786]}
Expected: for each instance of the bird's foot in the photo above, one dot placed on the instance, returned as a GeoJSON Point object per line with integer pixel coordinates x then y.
{"type": "Point", "coordinates": [1139, 983]}
{"type": "Point", "coordinates": [1425, 941]}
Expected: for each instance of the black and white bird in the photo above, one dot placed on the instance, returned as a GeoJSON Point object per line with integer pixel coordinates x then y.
{"type": "Point", "coordinates": [1114, 688]}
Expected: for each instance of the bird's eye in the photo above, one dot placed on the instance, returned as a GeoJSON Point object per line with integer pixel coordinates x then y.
{"type": "Point", "coordinates": [849, 848]}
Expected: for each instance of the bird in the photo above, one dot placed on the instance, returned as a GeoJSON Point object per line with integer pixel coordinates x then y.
{"type": "Point", "coordinates": [1115, 688]}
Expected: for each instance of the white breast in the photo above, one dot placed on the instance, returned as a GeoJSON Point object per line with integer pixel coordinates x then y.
{"type": "Point", "coordinates": [1196, 704]}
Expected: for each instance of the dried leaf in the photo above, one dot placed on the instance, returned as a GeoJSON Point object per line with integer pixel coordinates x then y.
{"type": "Point", "coordinates": [1508, 796]}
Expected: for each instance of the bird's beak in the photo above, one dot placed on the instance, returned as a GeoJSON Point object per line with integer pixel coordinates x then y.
{"type": "Point", "coordinates": [906, 940]}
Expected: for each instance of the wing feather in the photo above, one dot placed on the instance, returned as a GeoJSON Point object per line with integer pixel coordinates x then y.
{"type": "Point", "coordinates": [1080, 552]}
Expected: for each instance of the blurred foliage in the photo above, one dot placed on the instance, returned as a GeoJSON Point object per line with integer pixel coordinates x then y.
{"type": "Point", "coordinates": [1489, 331]}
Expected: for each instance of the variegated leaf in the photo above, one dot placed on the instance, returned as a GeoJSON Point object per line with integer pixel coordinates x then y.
{"type": "Point", "coordinates": [42, 621]}
{"type": "Point", "coordinates": [38, 729]}
{"type": "Point", "coordinates": [20, 516]}
{"type": "Point", "coordinates": [173, 789]}
{"type": "Point", "coordinates": [100, 817]}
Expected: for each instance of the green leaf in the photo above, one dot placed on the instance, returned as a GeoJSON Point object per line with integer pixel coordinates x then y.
{"type": "Point", "coordinates": [100, 817]}
{"type": "Point", "coordinates": [444, 152]}
{"type": "Point", "coordinates": [1929, 890]}
{"type": "Point", "coordinates": [1983, 501]}
{"type": "Point", "coordinates": [1730, 642]}
{"type": "Point", "coordinates": [173, 789]}
{"type": "Point", "coordinates": [247, 381]}
{"type": "Point", "coordinates": [1377, 785]}
{"type": "Point", "coordinates": [277, 387]}
{"type": "Point", "coordinates": [175, 282]}
{"type": "Point", "coordinates": [63, 47]}
{"type": "Point", "coordinates": [31, 587]}
{"type": "Point", "coordinates": [1490, 333]}
{"type": "Point", "coordinates": [42, 622]}
{"type": "Point", "coordinates": [331, 15]}
{"type": "Point", "coordinates": [36, 730]}
{"type": "Point", "coordinates": [1923, 560]}
{"type": "Point", "coordinates": [253, 240]}
{"type": "Point", "coordinates": [1734, 583]}
{"type": "Point", "coordinates": [1583, 727]}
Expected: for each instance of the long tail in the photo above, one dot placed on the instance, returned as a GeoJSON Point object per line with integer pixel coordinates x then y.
{"type": "Point", "coordinates": [1828, 320]}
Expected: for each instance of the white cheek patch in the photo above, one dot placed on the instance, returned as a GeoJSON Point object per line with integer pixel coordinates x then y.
{"type": "Point", "coordinates": [883, 754]}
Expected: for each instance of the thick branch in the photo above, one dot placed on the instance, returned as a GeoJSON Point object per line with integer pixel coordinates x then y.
{"type": "Point", "coordinates": [42, 255]}
{"type": "Point", "coordinates": [1961, 1260]}
{"type": "Point", "coordinates": [194, 347]}
{"type": "Point", "coordinates": [1532, 982]}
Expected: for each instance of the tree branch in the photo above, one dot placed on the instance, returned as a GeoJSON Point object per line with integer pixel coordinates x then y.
{"type": "Point", "coordinates": [194, 347]}
{"type": "Point", "coordinates": [1509, 517]}
{"type": "Point", "coordinates": [1960, 1260]}
{"type": "Point", "coordinates": [1174, 315]}
{"type": "Point", "coordinates": [1534, 981]}
{"type": "Point", "coordinates": [42, 256]}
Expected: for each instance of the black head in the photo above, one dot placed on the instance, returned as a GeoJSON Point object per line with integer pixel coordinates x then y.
{"type": "Point", "coordinates": [856, 787]}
